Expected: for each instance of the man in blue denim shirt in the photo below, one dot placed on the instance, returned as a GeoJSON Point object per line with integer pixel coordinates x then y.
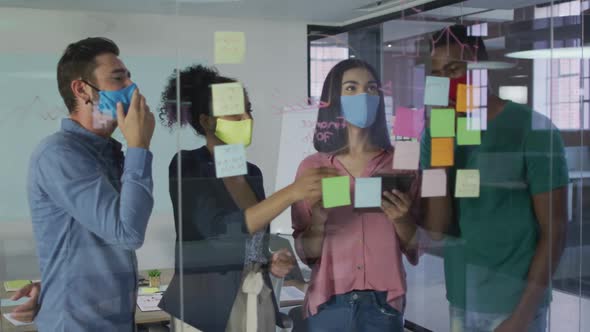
{"type": "Point", "coordinates": [90, 205]}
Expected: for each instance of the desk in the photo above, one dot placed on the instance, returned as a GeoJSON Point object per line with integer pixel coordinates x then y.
{"type": "Point", "coordinates": [140, 316]}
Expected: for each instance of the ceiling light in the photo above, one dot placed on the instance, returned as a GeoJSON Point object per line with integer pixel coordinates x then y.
{"type": "Point", "coordinates": [565, 37]}
{"type": "Point", "coordinates": [555, 53]}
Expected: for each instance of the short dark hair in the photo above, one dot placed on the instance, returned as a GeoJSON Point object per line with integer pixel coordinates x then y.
{"type": "Point", "coordinates": [458, 35]}
{"type": "Point", "coordinates": [331, 113]}
{"type": "Point", "coordinates": [195, 96]}
{"type": "Point", "coordinates": [78, 62]}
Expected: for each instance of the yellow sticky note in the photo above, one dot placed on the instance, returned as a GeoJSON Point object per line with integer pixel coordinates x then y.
{"type": "Point", "coordinates": [467, 184]}
{"type": "Point", "coordinates": [464, 98]}
{"type": "Point", "coordinates": [14, 285]}
{"type": "Point", "coordinates": [442, 152]}
{"type": "Point", "coordinates": [230, 47]}
{"type": "Point", "coordinates": [228, 99]}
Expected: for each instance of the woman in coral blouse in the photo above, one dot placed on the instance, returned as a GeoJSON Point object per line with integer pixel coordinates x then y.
{"type": "Point", "coordinates": [358, 278]}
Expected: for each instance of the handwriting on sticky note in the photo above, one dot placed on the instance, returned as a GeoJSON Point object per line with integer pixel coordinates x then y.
{"type": "Point", "coordinates": [230, 47]}
{"type": "Point", "coordinates": [230, 160]}
{"type": "Point", "coordinates": [465, 135]}
{"type": "Point", "coordinates": [406, 155]}
{"type": "Point", "coordinates": [408, 122]}
{"type": "Point", "coordinates": [228, 99]}
{"type": "Point", "coordinates": [367, 192]}
{"type": "Point", "coordinates": [336, 191]}
{"type": "Point", "coordinates": [442, 122]}
{"type": "Point", "coordinates": [442, 152]}
{"type": "Point", "coordinates": [436, 91]}
{"type": "Point", "coordinates": [434, 183]}
{"type": "Point", "coordinates": [467, 184]}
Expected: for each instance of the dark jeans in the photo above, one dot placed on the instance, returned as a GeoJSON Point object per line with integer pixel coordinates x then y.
{"type": "Point", "coordinates": [357, 311]}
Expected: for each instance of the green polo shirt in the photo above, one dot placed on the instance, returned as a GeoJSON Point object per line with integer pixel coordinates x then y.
{"type": "Point", "coordinates": [521, 155]}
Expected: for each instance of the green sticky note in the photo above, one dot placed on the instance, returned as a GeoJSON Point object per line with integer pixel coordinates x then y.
{"type": "Point", "coordinates": [336, 191]}
{"type": "Point", "coordinates": [13, 285]}
{"type": "Point", "coordinates": [467, 184]}
{"type": "Point", "coordinates": [442, 122]}
{"type": "Point", "coordinates": [465, 135]}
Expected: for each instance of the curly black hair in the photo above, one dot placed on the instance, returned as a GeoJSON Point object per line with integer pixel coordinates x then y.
{"type": "Point", "coordinates": [195, 96]}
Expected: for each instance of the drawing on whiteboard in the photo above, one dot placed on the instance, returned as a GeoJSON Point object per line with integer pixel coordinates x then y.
{"type": "Point", "coordinates": [37, 107]}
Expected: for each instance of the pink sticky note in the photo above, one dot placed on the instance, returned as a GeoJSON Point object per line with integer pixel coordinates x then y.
{"type": "Point", "coordinates": [408, 122]}
{"type": "Point", "coordinates": [434, 183]}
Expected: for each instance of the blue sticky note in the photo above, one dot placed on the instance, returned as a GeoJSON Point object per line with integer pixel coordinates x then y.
{"type": "Point", "coordinates": [436, 91]}
{"type": "Point", "coordinates": [11, 303]}
{"type": "Point", "coordinates": [367, 192]}
{"type": "Point", "coordinates": [230, 160]}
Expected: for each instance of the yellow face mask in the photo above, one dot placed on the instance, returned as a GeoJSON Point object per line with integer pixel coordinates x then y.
{"type": "Point", "coordinates": [234, 132]}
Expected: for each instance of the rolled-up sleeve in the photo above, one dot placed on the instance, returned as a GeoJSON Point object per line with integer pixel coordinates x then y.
{"type": "Point", "coordinates": [78, 185]}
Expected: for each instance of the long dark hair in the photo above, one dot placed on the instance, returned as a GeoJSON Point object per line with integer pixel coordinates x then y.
{"type": "Point", "coordinates": [330, 116]}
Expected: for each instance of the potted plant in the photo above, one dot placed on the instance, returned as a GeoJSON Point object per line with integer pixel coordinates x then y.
{"type": "Point", "coordinates": [154, 278]}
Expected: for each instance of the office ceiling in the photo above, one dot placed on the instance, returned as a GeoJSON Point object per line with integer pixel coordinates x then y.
{"type": "Point", "coordinates": [332, 12]}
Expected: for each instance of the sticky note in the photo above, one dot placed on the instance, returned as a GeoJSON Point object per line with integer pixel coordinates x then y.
{"type": "Point", "coordinates": [434, 183]}
{"type": "Point", "coordinates": [11, 303]}
{"type": "Point", "coordinates": [230, 160]}
{"type": "Point", "coordinates": [436, 91]}
{"type": "Point", "coordinates": [367, 192]}
{"type": "Point", "coordinates": [467, 184]}
{"type": "Point", "coordinates": [465, 101]}
{"type": "Point", "coordinates": [230, 47]}
{"type": "Point", "coordinates": [13, 285]}
{"type": "Point", "coordinates": [406, 155]}
{"type": "Point", "coordinates": [408, 122]}
{"type": "Point", "coordinates": [442, 152]}
{"type": "Point", "coordinates": [442, 122]}
{"type": "Point", "coordinates": [336, 191]}
{"type": "Point", "coordinates": [228, 99]}
{"type": "Point", "coordinates": [465, 135]}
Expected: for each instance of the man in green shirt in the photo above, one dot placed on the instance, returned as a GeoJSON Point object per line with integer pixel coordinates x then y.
{"type": "Point", "coordinates": [503, 246]}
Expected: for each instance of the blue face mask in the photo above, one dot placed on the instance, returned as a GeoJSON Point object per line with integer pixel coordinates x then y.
{"type": "Point", "coordinates": [360, 110]}
{"type": "Point", "coordinates": [107, 100]}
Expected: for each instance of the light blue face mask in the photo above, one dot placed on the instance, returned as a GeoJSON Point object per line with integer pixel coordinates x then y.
{"type": "Point", "coordinates": [107, 100]}
{"type": "Point", "coordinates": [360, 110]}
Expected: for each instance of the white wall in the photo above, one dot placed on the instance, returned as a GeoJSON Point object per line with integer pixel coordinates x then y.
{"type": "Point", "coordinates": [274, 72]}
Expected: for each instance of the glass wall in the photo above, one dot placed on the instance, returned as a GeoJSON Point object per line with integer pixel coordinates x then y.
{"type": "Point", "coordinates": [417, 166]}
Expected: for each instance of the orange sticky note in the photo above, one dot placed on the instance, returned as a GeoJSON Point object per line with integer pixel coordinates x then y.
{"type": "Point", "coordinates": [442, 152]}
{"type": "Point", "coordinates": [464, 98]}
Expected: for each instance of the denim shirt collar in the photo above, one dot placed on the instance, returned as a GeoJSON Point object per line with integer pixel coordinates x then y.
{"type": "Point", "coordinates": [102, 144]}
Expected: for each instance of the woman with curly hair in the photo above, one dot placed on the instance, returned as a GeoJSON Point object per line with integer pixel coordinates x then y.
{"type": "Point", "coordinates": [224, 220]}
